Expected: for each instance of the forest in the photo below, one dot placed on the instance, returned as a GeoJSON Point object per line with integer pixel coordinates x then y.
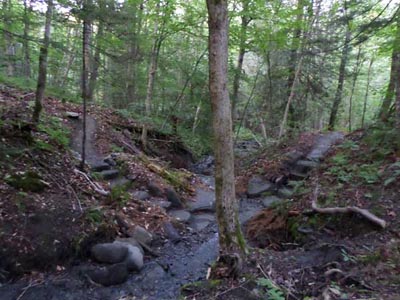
{"type": "Point", "coordinates": [215, 149]}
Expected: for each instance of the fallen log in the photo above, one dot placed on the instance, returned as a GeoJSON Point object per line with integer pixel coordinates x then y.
{"type": "Point", "coordinates": [348, 209]}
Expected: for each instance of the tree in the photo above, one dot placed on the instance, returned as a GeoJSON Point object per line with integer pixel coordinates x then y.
{"type": "Point", "coordinates": [41, 82]}
{"type": "Point", "coordinates": [230, 235]}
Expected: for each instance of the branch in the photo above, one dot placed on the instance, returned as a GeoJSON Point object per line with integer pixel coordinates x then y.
{"type": "Point", "coordinates": [94, 185]}
{"type": "Point", "coordinates": [349, 209]}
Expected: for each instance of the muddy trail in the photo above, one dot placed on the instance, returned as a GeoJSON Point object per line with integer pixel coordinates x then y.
{"type": "Point", "coordinates": [184, 256]}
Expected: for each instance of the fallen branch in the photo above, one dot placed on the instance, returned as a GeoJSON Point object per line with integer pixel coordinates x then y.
{"type": "Point", "coordinates": [97, 188]}
{"type": "Point", "coordinates": [343, 210]}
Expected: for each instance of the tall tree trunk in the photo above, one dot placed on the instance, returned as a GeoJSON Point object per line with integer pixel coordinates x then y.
{"type": "Point", "coordinates": [230, 235]}
{"type": "Point", "coordinates": [86, 34]}
{"type": "Point", "coordinates": [391, 89]}
{"type": "Point", "coordinates": [25, 42]}
{"type": "Point", "coordinates": [242, 51]}
{"type": "Point", "coordinates": [357, 68]}
{"type": "Point", "coordinates": [9, 50]}
{"type": "Point", "coordinates": [339, 90]}
{"type": "Point", "coordinates": [293, 59]}
{"type": "Point", "coordinates": [366, 92]}
{"type": "Point", "coordinates": [290, 99]}
{"type": "Point", "coordinates": [151, 77]}
{"type": "Point", "coordinates": [95, 62]}
{"type": "Point", "coordinates": [41, 83]}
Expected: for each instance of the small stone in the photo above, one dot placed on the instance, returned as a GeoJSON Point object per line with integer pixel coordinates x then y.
{"type": "Point", "coordinates": [142, 235]}
{"type": "Point", "coordinates": [141, 195]}
{"type": "Point", "coordinates": [161, 203]}
{"type": "Point", "coordinates": [180, 215]}
{"type": "Point", "coordinates": [111, 275]}
{"type": "Point", "coordinates": [173, 197]}
{"type": "Point", "coordinates": [109, 252]}
{"type": "Point", "coordinates": [110, 161]}
{"type": "Point", "coordinates": [72, 115]}
{"type": "Point", "coordinates": [171, 233]}
{"type": "Point", "coordinates": [155, 190]}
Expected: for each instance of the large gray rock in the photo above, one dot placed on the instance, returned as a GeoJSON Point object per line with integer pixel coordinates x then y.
{"type": "Point", "coordinates": [199, 222]}
{"type": "Point", "coordinates": [100, 166]}
{"type": "Point", "coordinates": [204, 201]}
{"type": "Point", "coordinates": [111, 253]}
{"type": "Point", "coordinates": [134, 259]}
{"type": "Point", "coordinates": [142, 235]}
{"type": "Point", "coordinates": [258, 185]}
{"type": "Point", "coordinates": [72, 115]}
{"type": "Point", "coordinates": [130, 241]}
{"type": "Point", "coordinates": [110, 275]}
{"type": "Point", "coordinates": [180, 215]}
{"type": "Point", "coordinates": [173, 197]}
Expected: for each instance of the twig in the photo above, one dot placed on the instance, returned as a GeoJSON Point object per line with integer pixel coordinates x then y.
{"type": "Point", "coordinates": [349, 209]}
{"type": "Point", "coordinates": [25, 289]}
{"type": "Point", "coordinates": [70, 188]}
{"type": "Point", "coordinates": [95, 186]}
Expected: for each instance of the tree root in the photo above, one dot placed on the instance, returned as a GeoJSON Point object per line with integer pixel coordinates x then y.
{"type": "Point", "coordinates": [349, 209]}
{"type": "Point", "coordinates": [97, 188]}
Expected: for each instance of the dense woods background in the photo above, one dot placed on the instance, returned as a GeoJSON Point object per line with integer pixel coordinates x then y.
{"type": "Point", "coordinates": [293, 65]}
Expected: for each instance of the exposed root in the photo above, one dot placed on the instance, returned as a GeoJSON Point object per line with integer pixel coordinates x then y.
{"type": "Point", "coordinates": [97, 188]}
{"type": "Point", "coordinates": [349, 209]}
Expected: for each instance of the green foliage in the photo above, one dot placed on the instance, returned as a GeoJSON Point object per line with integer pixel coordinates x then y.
{"type": "Point", "coordinates": [369, 173]}
{"type": "Point", "coordinates": [197, 144]}
{"type": "Point", "coordinates": [119, 194]}
{"type": "Point", "coordinates": [94, 215]}
{"type": "Point", "coordinates": [54, 128]}
{"type": "Point", "coordinates": [273, 292]}
{"type": "Point", "coordinates": [26, 181]}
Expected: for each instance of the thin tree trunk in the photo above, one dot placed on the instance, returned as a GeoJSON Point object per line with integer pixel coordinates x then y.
{"type": "Point", "coordinates": [242, 51]}
{"type": "Point", "coordinates": [339, 90]}
{"type": "Point", "coordinates": [41, 83]}
{"type": "Point", "coordinates": [95, 63]}
{"type": "Point", "coordinates": [357, 68]}
{"type": "Point", "coordinates": [9, 50]}
{"type": "Point", "coordinates": [86, 34]}
{"type": "Point", "coordinates": [366, 92]}
{"type": "Point", "coordinates": [230, 235]}
{"type": "Point", "coordinates": [196, 117]}
{"type": "Point", "coordinates": [25, 42]}
{"type": "Point", "coordinates": [291, 96]}
{"type": "Point", "coordinates": [150, 78]}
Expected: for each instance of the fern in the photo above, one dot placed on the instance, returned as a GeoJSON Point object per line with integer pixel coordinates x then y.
{"type": "Point", "coordinates": [273, 291]}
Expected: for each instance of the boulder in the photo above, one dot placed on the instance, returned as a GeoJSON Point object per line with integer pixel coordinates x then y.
{"type": "Point", "coordinates": [170, 232]}
{"type": "Point", "coordinates": [258, 185]}
{"type": "Point", "coordinates": [173, 197]}
{"type": "Point", "coordinates": [110, 161]}
{"type": "Point", "coordinates": [130, 241]}
{"type": "Point", "coordinates": [111, 253]}
{"type": "Point", "coordinates": [134, 259]}
{"type": "Point", "coordinates": [141, 235]}
{"type": "Point", "coordinates": [110, 275]}
{"type": "Point", "coordinates": [205, 201]}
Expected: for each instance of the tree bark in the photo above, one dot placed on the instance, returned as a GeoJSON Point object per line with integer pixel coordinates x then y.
{"type": "Point", "coordinates": [394, 78]}
{"type": "Point", "coordinates": [357, 68]}
{"type": "Point", "coordinates": [339, 90]}
{"type": "Point", "coordinates": [86, 34]}
{"type": "Point", "coordinates": [41, 83]}
{"type": "Point", "coordinates": [242, 51]}
{"type": "Point", "coordinates": [231, 239]}
{"type": "Point", "coordinates": [366, 92]}
{"type": "Point", "coordinates": [25, 42]}
{"type": "Point", "coordinates": [9, 50]}
{"type": "Point", "coordinates": [95, 62]}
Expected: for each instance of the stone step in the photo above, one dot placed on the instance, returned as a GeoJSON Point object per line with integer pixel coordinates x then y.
{"type": "Point", "coordinates": [180, 215]}
{"type": "Point", "coordinates": [258, 185]}
{"type": "Point", "coordinates": [120, 182]}
{"type": "Point", "coordinates": [109, 174]}
{"type": "Point", "coordinates": [100, 166]}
